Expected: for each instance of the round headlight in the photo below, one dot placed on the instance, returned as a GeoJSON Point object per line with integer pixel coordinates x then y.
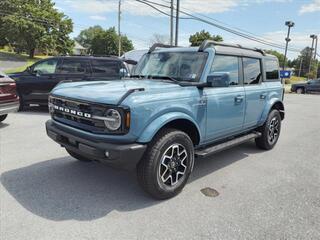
{"type": "Point", "coordinates": [113, 120]}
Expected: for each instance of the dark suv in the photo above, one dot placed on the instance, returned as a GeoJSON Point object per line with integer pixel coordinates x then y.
{"type": "Point", "coordinates": [35, 83]}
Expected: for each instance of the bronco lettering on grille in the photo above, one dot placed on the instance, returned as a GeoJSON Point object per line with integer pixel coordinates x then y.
{"type": "Point", "coordinates": [70, 111]}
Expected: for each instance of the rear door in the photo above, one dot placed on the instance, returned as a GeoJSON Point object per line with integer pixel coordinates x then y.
{"type": "Point", "coordinates": [255, 91]}
{"type": "Point", "coordinates": [103, 69]}
{"type": "Point", "coordinates": [74, 69]}
{"type": "Point", "coordinates": [225, 105]}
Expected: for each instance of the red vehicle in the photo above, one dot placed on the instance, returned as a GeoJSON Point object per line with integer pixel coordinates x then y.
{"type": "Point", "coordinates": [9, 100]}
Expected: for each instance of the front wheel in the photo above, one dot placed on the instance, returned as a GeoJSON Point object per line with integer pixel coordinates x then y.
{"type": "Point", "coordinates": [3, 117]}
{"type": "Point", "coordinates": [270, 131]}
{"type": "Point", "coordinates": [165, 168]}
{"type": "Point", "coordinates": [300, 91]}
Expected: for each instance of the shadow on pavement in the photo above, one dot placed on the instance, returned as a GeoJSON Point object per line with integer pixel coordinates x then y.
{"type": "Point", "coordinates": [35, 110]}
{"type": "Point", "coordinates": [64, 189]}
{"type": "Point", "coordinates": [3, 125]}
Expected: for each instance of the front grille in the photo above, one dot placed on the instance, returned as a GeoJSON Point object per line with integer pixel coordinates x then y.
{"type": "Point", "coordinates": [78, 114]}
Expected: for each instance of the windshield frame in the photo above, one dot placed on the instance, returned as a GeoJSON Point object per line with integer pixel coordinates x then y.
{"type": "Point", "coordinates": [197, 79]}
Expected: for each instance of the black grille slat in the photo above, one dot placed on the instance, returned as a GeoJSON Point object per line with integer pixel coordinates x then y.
{"type": "Point", "coordinates": [88, 124]}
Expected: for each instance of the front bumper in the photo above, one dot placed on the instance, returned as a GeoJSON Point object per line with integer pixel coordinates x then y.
{"type": "Point", "coordinates": [9, 107]}
{"type": "Point", "coordinates": [123, 156]}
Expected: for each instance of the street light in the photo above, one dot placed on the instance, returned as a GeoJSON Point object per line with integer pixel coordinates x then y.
{"type": "Point", "coordinates": [290, 24]}
{"type": "Point", "coordinates": [313, 36]}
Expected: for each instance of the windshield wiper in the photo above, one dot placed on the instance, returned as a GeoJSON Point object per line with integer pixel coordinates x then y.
{"type": "Point", "coordinates": [166, 78]}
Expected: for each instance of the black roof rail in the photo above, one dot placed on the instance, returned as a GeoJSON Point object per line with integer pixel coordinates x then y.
{"type": "Point", "coordinates": [207, 43]}
{"type": "Point", "coordinates": [159, 45]}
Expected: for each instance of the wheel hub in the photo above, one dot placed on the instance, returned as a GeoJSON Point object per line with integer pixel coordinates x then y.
{"type": "Point", "coordinates": [173, 164]}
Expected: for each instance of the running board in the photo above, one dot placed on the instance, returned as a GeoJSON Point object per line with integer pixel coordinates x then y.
{"type": "Point", "coordinates": [225, 145]}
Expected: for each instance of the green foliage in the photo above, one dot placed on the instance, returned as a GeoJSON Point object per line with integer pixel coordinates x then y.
{"type": "Point", "coordinates": [103, 42]}
{"type": "Point", "coordinates": [28, 25]}
{"type": "Point", "coordinates": [304, 59]}
{"type": "Point", "coordinates": [197, 38]}
{"type": "Point", "coordinates": [279, 55]}
{"type": "Point", "coordinates": [86, 36]}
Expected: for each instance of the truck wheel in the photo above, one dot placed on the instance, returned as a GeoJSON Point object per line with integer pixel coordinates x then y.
{"type": "Point", "coordinates": [165, 168]}
{"type": "Point", "coordinates": [78, 156]}
{"type": "Point", "coordinates": [300, 90]}
{"type": "Point", "coordinates": [270, 131]}
{"type": "Point", "coordinates": [3, 117]}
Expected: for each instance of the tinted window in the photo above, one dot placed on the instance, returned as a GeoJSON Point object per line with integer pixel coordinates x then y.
{"type": "Point", "coordinates": [251, 70]}
{"type": "Point", "coordinates": [272, 69]}
{"type": "Point", "coordinates": [73, 66]}
{"type": "Point", "coordinates": [105, 67]}
{"type": "Point", "coordinates": [46, 67]}
{"type": "Point", "coordinates": [227, 64]}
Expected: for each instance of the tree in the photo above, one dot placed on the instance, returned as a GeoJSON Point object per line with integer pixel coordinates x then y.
{"type": "Point", "coordinates": [279, 55]}
{"type": "Point", "coordinates": [86, 36]}
{"type": "Point", "coordinates": [159, 38]}
{"type": "Point", "coordinates": [197, 38]}
{"type": "Point", "coordinates": [304, 59]}
{"type": "Point", "coordinates": [29, 25]}
{"type": "Point", "coordinates": [103, 42]}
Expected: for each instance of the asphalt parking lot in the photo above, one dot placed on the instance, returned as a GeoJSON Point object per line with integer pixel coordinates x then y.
{"type": "Point", "coordinates": [45, 194]}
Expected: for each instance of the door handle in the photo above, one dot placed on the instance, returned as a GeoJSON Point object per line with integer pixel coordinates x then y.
{"type": "Point", "coordinates": [263, 96]}
{"type": "Point", "coordinates": [238, 99]}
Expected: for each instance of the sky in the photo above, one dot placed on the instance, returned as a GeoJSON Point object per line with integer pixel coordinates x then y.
{"type": "Point", "coordinates": [263, 18]}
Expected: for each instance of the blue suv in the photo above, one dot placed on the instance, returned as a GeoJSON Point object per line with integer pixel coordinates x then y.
{"type": "Point", "coordinates": [180, 104]}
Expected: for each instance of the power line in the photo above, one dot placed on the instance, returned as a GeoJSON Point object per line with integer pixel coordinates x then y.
{"type": "Point", "coordinates": [259, 40]}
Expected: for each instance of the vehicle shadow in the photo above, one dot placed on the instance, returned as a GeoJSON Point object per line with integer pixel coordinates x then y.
{"type": "Point", "coordinates": [3, 125]}
{"type": "Point", "coordinates": [63, 189]}
{"type": "Point", "coordinates": [34, 110]}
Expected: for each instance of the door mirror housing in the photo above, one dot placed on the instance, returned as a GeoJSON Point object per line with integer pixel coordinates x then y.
{"type": "Point", "coordinates": [218, 79]}
{"type": "Point", "coordinates": [123, 73]}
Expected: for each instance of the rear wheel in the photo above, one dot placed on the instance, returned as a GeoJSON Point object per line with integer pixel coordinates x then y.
{"type": "Point", "coordinates": [78, 156]}
{"type": "Point", "coordinates": [165, 168]}
{"type": "Point", "coordinates": [270, 131]}
{"type": "Point", "coordinates": [3, 117]}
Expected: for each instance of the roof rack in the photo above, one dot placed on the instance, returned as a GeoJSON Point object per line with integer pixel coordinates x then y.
{"type": "Point", "coordinates": [159, 45]}
{"type": "Point", "coordinates": [207, 43]}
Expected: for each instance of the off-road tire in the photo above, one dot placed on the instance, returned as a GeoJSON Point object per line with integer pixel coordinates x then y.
{"type": "Point", "coordinates": [149, 168]}
{"type": "Point", "coordinates": [263, 141]}
{"type": "Point", "coordinates": [78, 156]}
{"type": "Point", "coordinates": [3, 117]}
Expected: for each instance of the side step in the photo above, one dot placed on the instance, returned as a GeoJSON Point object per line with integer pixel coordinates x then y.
{"type": "Point", "coordinates": [225, 145]}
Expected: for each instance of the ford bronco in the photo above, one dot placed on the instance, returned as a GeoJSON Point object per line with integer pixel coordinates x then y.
{"type": "Point", "coordinates": [180, 104]}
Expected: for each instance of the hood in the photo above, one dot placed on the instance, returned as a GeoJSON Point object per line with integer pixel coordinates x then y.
{"type": "Point", "coordinates": [110, 92]}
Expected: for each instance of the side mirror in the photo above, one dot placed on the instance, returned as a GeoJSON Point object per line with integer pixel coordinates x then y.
{"type": "Point", "coordinates": [218, 80]}
{"type": "Point", "coordinates": [123, 73]}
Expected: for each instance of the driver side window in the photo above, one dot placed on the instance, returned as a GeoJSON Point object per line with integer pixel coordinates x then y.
{"type": "Point", "coordinates": [46, 67]}
{"type": "Point", "coordinates": [227, 64]}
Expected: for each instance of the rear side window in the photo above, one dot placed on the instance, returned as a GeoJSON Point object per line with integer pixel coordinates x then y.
{"type": "Point", "coordinates": [252, 71]}
{"type": "Point", "coordinates": [272, 70]}
{"type": "Point", "coordinates": [227, 64]}
{"type": "Point", "coordinates": [105, 67]}
{"type": "Point", "coordinates": [72, 66]}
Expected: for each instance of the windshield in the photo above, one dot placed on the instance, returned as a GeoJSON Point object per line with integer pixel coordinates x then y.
{"type": "Point", "coordinates": [182, 66]}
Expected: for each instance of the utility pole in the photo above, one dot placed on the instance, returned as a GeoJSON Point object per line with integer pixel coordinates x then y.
{"type": "Point", "coordinates": [315, 56]}
{"type": "Point", "coordinates": [313, 36]}
{"type": "Point", "coordinates": [300, 67]}
{"type": "Point", "coordinates": [290, 24]}
{"type": "Point", "coordinates": [171, 24]}
{"type": "Point", "coordinates": [119, 29]}
{"type": "Point", "coordinates": [177, 23]}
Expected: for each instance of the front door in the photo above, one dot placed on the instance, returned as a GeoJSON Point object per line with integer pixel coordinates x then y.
{"type": "Point", "coordinates": [225, 105]}
{"type": "Point", "coordinates": [38, 84]}
{"type": "Point", "coordinates": [255, 91]}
